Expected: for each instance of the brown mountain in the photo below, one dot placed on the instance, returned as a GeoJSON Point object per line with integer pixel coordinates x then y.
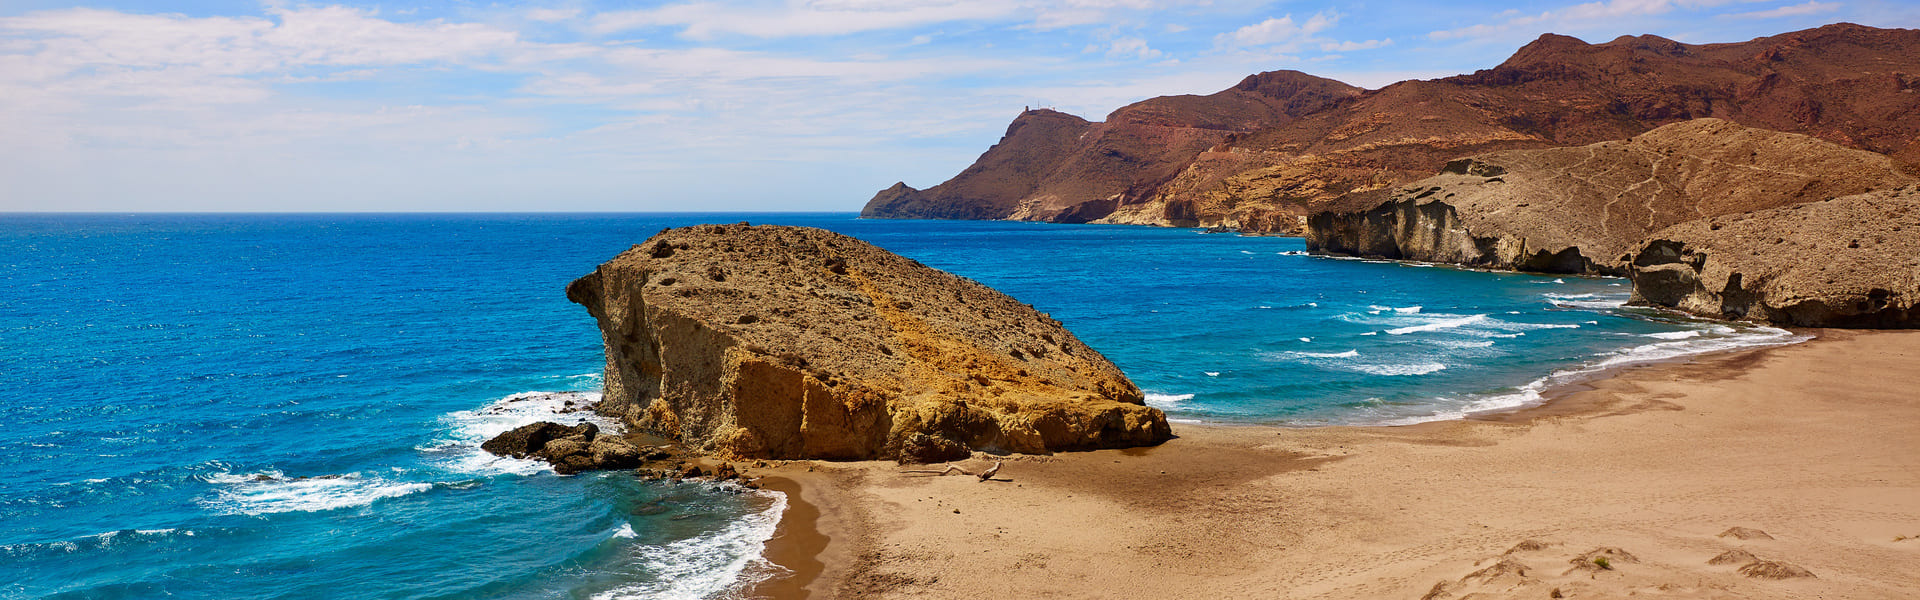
{"type": "Point", "coordinates": [1282, 145]}
{"type": "Point", "coordinates": [1052, 166]}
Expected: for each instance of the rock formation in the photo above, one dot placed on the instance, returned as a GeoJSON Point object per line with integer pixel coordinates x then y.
{"type": "Point", "coordinates": [570, 449]}
{"type": "Point", "coordinates": [1280, 146]}
{"type": "Point", "coordinates": [783, 342]}
{"type": "Point", "coordinates": [1585, 209]}
{"type": "Point", "coordinates": [1852, 261]}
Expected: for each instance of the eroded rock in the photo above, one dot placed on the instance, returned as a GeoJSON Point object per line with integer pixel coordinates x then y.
{"type": "Point", "coordinates": [1852, 261]}
{"type": "Point", "coordinates": [818, 345]}
{"type": "Point", "coordinates": [1586, 209]}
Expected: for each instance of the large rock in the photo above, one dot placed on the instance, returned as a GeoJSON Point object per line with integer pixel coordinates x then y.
{"type": "Point", "coordinates": [1852, 261]}
{"type": "Point", "coordinates": [1584, 209]}
{"type": "Point", "coordinates": [1283, 145]}
{"type": "Point", "coordinates": [570, 449]}
{"type": "Point", "coordinates": [784, 342]}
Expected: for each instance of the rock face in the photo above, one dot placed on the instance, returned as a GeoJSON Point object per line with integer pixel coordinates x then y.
{"type": "Point", "coordinates": [1280, 146]}
{"type": "Point", "coordinates": [570, 449]}
{"type": "Point", "coordinates": [1852, 261]}
{"type": "Point", "coordinates": [782, 342]}
{"type": "Point", "coordinates": [1585, 209]}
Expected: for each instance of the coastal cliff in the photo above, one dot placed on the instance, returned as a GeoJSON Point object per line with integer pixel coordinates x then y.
{"type": "Point", "coordinates": [1280, 146]}
{"type": "Point", "coordinates": [1586, 209]}
{"type": "Point", "coordinates": [789, 343]}
{"type": "Point", "coordinates": [1852, 261]}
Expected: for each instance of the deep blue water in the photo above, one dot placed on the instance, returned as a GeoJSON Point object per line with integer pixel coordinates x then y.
{"type": "Point", "coordinates": [289, 406]}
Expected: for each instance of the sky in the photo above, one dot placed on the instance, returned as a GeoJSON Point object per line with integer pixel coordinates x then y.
{"type": "Point", "coordinates": [767, 105]}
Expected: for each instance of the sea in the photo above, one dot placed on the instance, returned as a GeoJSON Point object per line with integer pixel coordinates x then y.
{"type": "Point", "coordinates": [291, 406]}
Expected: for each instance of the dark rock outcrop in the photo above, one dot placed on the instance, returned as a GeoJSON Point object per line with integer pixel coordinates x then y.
{"type": "Point", "coordinates": [784, 342]}
{"type": "Point", "coordinates": [1283, 145]}
{"type": "Point", "coordinates": [1585, 209]}
{"type": "Point", "coordinates": [571, 449]}
{"type": "Point", "coordinates": [1852, 261]}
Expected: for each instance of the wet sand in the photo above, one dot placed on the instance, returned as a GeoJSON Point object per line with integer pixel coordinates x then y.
{"type": "Point", "coordinates": [1815, 444]}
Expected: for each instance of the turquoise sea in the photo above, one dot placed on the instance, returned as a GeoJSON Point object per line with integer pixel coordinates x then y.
{"type": "Point", "coordinates": [290, 406]}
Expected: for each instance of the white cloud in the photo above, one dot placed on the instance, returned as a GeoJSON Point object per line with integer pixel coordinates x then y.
{"type": "Point", "coordinates": [1281, 31]}
{"type": "Point", "coordinates": [708, 20]}
{"type": "Point", "coordinates": [1351, 46]}
{"type": "Point", "coordinates": [1132, 47]}
{"type": "Point", "coordinates": [552, 15]}
{"type": "Point", "coordinates": [1796, 10]}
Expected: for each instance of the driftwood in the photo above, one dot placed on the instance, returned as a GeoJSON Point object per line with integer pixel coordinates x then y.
{"type": "Point", "coordinates": [984, 475]}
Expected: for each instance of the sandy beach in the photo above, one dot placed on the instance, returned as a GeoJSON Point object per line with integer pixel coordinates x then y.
{"type": "Point", "coordinates": [1813, 449]}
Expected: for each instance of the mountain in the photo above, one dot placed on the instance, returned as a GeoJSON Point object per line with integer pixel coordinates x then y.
{"type": "Point", "coordinates": [1282, 145]}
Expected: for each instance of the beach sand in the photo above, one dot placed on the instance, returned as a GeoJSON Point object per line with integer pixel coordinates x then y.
{"type": "Point", "coordinates": [1817, 445]}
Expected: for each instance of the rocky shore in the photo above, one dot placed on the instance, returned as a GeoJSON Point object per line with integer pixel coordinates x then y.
{"type": "Point", "coordinates": [788, 343]}
{"type": "Point", "coordinates": [1706, 216]}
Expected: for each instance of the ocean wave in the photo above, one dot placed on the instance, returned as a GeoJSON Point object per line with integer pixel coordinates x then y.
{"type": "Point", "coordinates": [1676, 335]}
{"type": "Point", "coordinates": [271, 491]}
{"type": "Point", "coordinates": [1590, 301]}
{"type": "Point", "coordinates": [1374, 309]}
{"type": "Point", "coordinates": [1164, 399]}
{"type": "Point", "coordinates": [720, 564]}
{"type": "Point", "coordinates": [1439, 325]}
{"type": "Point", "coordinates": [1294, 253]}
{"type": "Point", "coordinates": [1347, 354]}
{"type": "Point", "coordinates": [459, 445]}
{"type": "Point", "coordinates": [1461, 344]}
{"type": "Point", "coordinates": [1398, 370]}
{"type": "Point", "coordinates": [99, 541]}
{"type": "Point", "coordinates": [1718, 338]}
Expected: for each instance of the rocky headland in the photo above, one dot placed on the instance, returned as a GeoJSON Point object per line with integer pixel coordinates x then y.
{"type": "Point", "coordinates": [1851, 261]}
{"type": "Point", "coordinates": [787, 343]}
{"type": "Point", "coordinates": [1587, 209]}
{"type": "Point", "coordinates": [1706, 216]}
{"type": "Point", "coordinates": [1280, 146]}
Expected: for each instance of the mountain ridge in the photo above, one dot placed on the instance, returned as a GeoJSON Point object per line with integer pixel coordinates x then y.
{"type": "Point", "coordinates": [1264, 154]}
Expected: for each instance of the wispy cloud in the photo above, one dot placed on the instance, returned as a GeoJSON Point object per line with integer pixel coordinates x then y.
{"type": "Point", "coordinates": [1796, 10]}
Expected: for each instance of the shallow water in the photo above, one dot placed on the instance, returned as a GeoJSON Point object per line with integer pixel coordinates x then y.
{"type": "Point", "coordinates": [290, 406]}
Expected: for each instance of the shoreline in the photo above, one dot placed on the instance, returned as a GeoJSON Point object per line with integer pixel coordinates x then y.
{"type": "Point", "coordinates": [881, 539]}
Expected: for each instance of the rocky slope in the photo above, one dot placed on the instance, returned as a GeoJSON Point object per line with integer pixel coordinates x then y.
{"type": "Point", "coordinates": [783, 342]}
{"type": "Point", "coordinates": [1052, 166]}
{"type": "Point", "coordinates": [1302, 143]}
{"type": "Point", "coordinates": [1585, 209]}
{"type": "Point", "coordinates": [1852, 261]}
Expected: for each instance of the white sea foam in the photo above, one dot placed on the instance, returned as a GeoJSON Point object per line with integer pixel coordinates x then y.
{"type": "Point", "coordinates": [271, 491]}
{"type": "Point", "coordinates": [719, 564]}
{"type": "Point", "coordinates": [1165, 399]}
{"type": "Point", "coordinates": [1347, 354]}
{"type": "Point", "coordinates": [1461, 344]}
{"type": "Point", "coordinates": [1718, 338]}
{"type": "Point", "coordinates": [1440, 324]}
{"type": "Point", "coordinates": [1306, 339]}
{"type": "Point", "coordinates": [1676, 335]}
{"type": "Point", "coordinates": [1410, 310]}
{"type": "Point", "coordinates": [459, 446]}
{"type": "Point", "coordinates": [1294, 253]}
{"type": "Point", "coordinates": [1212, 373]}
{"type": "Point", "coordinates": [1402, 369]}
{"type": "Point", "coordinates": [1592, 301]}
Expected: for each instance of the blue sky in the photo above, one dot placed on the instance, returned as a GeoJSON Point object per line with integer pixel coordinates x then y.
{"type": "Point", "coordinates": [701, 105]}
